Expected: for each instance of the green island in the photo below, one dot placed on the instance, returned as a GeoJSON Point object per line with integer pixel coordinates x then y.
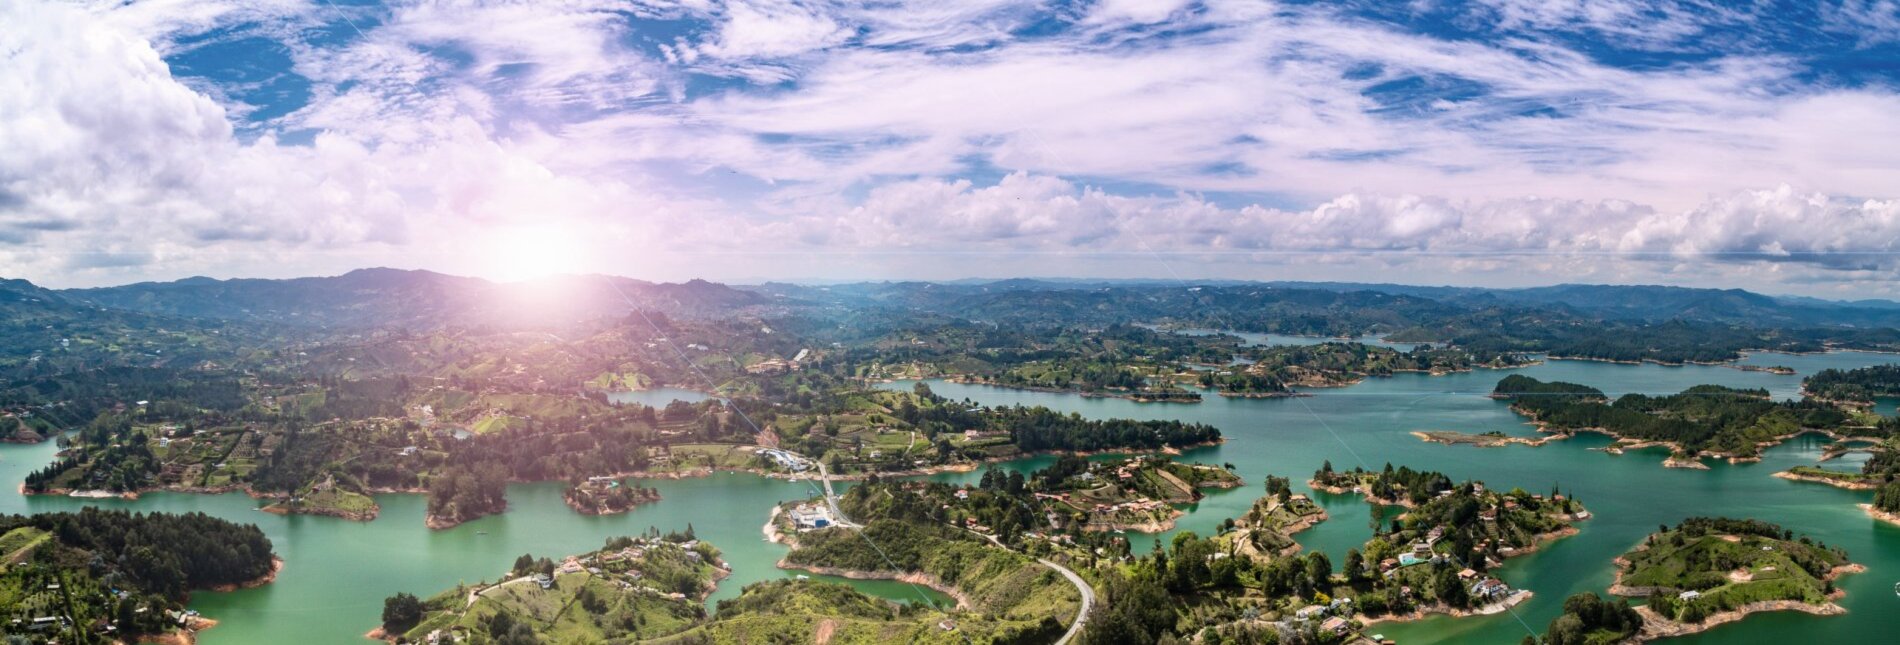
{"type": "Point", "coordinates": [1275, 370]}
{"type": "Point", "coordinates": [1710, 571]}
{"type": "Point", "coordinates": [1702, 421]}
{"type": "Point", "coordinates": [606, 496]}
{"type": "Point", "coordinates": [631, 589]}
{"type": "Point", "coordinates": [91, 575]}
{"type": "Point", "coordinates": [1248, 583]}
{"type": "Point", "coordinates": [1856, 387]}
{"type": "Point", "coordinates": [1467, 521]}
{"type": "Point", "coordinates": [1267, 530]}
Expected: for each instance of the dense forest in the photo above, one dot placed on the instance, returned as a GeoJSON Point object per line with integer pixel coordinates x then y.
{"type": "Point", "coordinates": [1712, 418]}
{"type": "Point", "coordinates": [1039, 429]}
{"type": "Point", "coordinates": [1859, 386]}
{"type": "Point", "coordinates": [97, 568]}
{"type": "Point", "coordinates": [1588, 619]}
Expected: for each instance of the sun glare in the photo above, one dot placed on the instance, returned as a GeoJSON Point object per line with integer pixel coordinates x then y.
{"type": "Point", "coordinates": [526, 253]}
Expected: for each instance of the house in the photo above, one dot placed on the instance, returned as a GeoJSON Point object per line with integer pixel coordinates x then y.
{"type": "Point", "coordinates": [1309, 612]}
{"type": "Point", "coordinates": [1490, 589]}
{"type": "Point", "coordinates": [1422, 550]}
{"type": "Point", "coordinates": [1335, 625]}
{"type": "Point", "coordinates": [806, 517]}
{"type": "Point", "coordinates": [1689, 595]}
{"type": "Point", "coordinates": [544, 580]}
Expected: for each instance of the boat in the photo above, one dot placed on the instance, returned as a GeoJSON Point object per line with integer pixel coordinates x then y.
{"type": "Point", "coordinates": [803, 577]}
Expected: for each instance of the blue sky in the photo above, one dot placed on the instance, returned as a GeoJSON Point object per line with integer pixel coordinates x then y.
{"type": "Point", "coordinates": [1493, 142]}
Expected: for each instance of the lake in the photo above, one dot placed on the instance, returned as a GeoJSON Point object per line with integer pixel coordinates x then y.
{"type": "Point", "coordinates": [337, 572]}
{"type": "Point", "coordinates": [1629, 495]}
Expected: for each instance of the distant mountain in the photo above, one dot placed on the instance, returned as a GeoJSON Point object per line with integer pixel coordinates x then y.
{"type": "Point", "coordinates": [382, 297]}
{"type": "Point", "coordinates": [1654, 303]}
{"type": "Point", "coordinates": [43, 330]}
{"type": "Point", "coordinates": [415, 299]}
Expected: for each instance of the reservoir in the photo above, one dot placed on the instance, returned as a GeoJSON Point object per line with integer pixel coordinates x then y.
{"type": "Point", "coordinates": [337, 572]}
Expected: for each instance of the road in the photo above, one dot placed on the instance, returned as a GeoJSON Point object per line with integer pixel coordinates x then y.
{"type": "Point", "coordinates": [472, 595]}
{"type": "Point", "coordinates": [1088, 600]}
{"type": "Point", "coordinates": [831, 496]}
{"type": "Point", "coordinates": [1088, 594]}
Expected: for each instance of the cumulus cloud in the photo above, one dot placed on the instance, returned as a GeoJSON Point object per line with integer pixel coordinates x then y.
{"type": "Point", "coordinates": [112, 163]}
{"type": "Point", "coordinates": [1034, 212]}
{"type": "Point", "coordinates": [1255, 132]}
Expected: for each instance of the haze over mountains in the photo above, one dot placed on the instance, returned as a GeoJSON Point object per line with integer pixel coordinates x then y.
{"type": "Point", "coordinates": [381, 297]}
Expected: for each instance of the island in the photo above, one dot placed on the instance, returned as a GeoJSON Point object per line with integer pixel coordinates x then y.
{"type": "Point", "coordinates": [1248, 584]}
{"type": "Point", "coordinates": [1856, 387]}
{"type": "Point", "coordinates": [1710, 571]}
{"type": "Point", "coordinates": [632, 588]}
{"type": "Point", "coordinates": [1702, 421]}
{"type": "Point", "coordinates": [606, 496]}
{"type": "Point", "coordinates": [1266, 531]}
{"type": "Point", "coordinates": [1138, 493]}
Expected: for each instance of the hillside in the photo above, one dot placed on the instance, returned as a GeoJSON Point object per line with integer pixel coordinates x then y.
{"type": "Point", "coordinates": [1708, 571]}
{"type": "Point", "coordinates": [414, 299]}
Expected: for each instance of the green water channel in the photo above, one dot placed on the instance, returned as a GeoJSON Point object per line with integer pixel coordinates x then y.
{"type": "Point", "coordinates": [337, 572]}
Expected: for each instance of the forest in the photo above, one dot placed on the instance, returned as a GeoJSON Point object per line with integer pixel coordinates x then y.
{"type": "Point", "coordinates": [1704, 418]}
{"type": "Point", "coordinates": [1858, 386]}
{"type": "Point", "coordinates": [121, 569]}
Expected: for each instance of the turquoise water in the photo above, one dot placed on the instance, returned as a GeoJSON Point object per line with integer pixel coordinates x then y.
{"type": "Point", "coordinates": [337, 572]}
{"type": "Point", "coordinates": [1630, 494]}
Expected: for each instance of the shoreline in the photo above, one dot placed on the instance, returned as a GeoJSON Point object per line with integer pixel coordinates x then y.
{"type": "Point", "coordinates": [276, 567]}
{"type": "Point", "coordinates": [965, 379]}
{"type": "Point", "coordinates": [1517, 597]}
{"type": "Point", "coordinates": [1827, 481]}
{"type": "Point", "coordinates": [1884, 516]}
{"type": "Point", "coordinates": [1339, 490]}
{"type": "Point", "coordinates": [1655, 626]}
{"type": "Point", "coordinates": [596, 511]}
{"type": "Point", "coordinates": [1150, 526]}
{"type": "Point", "coordinates": [436, 522]}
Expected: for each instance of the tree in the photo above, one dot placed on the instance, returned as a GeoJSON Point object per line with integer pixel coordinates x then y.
{"type": "Point", "coordinates": [1355, 566]}
{"type": "Point", "coordinates": [401, 612]}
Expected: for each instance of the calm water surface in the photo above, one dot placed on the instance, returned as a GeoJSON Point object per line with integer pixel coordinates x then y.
{"type": "Point", "coordinates": [337, 572]}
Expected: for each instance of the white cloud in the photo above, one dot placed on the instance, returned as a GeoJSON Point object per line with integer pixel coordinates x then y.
{"type": "Point", "coordinates": [111, 163]}
{"type": "Point", "coordinates": [855, 127]}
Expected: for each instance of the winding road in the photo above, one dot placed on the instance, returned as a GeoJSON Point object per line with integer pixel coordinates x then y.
{"type": "Point", "coordinates": [1082, 586]}
{"type": "Point", "coordinates": [1088, 594]}
{"type": "Point", "coordinates": [1088, 600]}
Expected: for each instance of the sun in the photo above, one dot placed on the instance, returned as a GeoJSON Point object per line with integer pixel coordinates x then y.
{"type": "Point", "coordinates": [529, 252]}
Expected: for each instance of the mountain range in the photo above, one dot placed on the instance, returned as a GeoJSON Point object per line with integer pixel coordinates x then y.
{"type": "Point", "coordinates": [382, 297]}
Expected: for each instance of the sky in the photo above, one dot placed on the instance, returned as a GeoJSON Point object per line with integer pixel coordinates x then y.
{"type": "Point", "coordinates": [1489, 142]}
